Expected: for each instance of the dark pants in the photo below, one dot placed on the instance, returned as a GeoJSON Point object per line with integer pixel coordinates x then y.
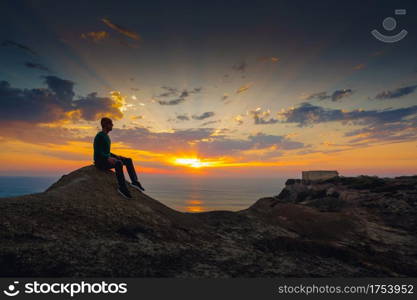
{"type": "Point", "coordinates": [105, 165]}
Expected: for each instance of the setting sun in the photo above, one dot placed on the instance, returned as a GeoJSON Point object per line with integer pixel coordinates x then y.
{"type": "Point", "coordinates": [194, 162]}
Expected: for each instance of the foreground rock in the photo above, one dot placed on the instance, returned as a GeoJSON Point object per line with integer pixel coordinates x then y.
{"type": "Point", "coordinates": [344, 227]}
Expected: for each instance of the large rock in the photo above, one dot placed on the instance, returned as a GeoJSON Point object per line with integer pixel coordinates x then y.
{"type": "Point", "coordinates": [81, 226]}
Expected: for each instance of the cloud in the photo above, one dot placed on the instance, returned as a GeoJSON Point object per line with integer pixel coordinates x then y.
{"type": "Point", "coordinates": [261, 117]}
{"type": "Point", "coordinates": [143, 139]}
{"type": "Point", "coordinates": [397, 93]}
{"type": "Point", "coordinates": [244, 88]}
{"type": "Point", "coordinates": [129, 33]}
{"type": "Point", "coordinates": [405, 130]}
{"type": "Point", "coordinates": [224, 97]}
{"type": "Point", "coordinates": [307, 114]}
{"type": "Point", "coordinates": [52, 104]}
{"type": "Point", "coordinates": [9, 43]}
{"type": "Point", "coordinates": [207, 141]}
{"type": "Point", "coordinates": [37, 66]}
{"type": "Point", "coordinates": [180, 96]}
{"type": "Point", "coordinates": [238, 119]}
{"type": "Point", "coordinates": [38, 134]}
{"type": "Point", "coordinates": [171, 102]}
{"type": "Point", "coordinates": [240, 67]}
{"type": "Point", "coordinates": [271, 59]}
{"type": "Point", "coordinates": [93, 108]}
{"type": "Point", "coordinates": [335, 96]}
{"type": "Point", "coordinates": [210, 122]}
{"type": "Point", "coordinates": [203, 116]}
{"type": "Point", "coordinates": [95, 36]}
{"type": "Point", "coordinates": [183, 117]}
{"type": "Point", "coordinates": [222, 146]}
{"type": "Point", "coordinates": [359, 67]}
{"type": "Point", "coordinates": [64, 89]}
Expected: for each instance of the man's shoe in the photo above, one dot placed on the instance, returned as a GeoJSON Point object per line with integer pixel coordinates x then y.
{"type": "Point", "coordinates": [124, 192]}
{"type": "Point", "coordinates": [137, 185]}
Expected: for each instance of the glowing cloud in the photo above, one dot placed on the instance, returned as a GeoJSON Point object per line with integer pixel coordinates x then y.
{"type": "Point", "coordinates": [122, 30]}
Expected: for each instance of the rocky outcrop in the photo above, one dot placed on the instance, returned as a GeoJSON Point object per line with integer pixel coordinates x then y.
{"type": "Point", "coordinates": [342, 227]}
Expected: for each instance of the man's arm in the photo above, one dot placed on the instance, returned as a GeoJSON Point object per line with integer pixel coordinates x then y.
{"type": "Point", "coordinates": [99, 148]}
{"type": "Point", "coordinates": [115, 156]}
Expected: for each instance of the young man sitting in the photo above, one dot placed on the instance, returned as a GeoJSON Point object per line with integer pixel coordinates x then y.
{"type": "Point", "coordinates": [106, 160]}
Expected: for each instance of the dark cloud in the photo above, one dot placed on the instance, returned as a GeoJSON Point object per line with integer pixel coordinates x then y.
{"type": "Point", "coordinates": [169, 91]}
{"type": "Point", "coordinates": [183, 117]}
{"type": "Point", "coordinates": [262, 117]}
{"type": "Point", "coordinates": [203, 116]}
{"type": "Point", "coordinates": [339, 94]}
{"type": "Point", "coordinates": [9, 43]}
{"type": "Point", "coordinates": [93, 107]}
{"type": "Point", "coordinates": [180, 96]}
{"type": "Point", "coordinates": [240, 67]}
{"type": "Point", "coordinates": [210, 122]}
{"type": "Point", "coordinates": [335, 96]}
{"type": "Point", "coordinates": [397, 93]}
{"type": "Point", "coordinates": [37, 66]}
{"type": "Point", "coordinates": [121, 29]}
{"type": "Point", "coordinates": [64, 89]}
{"type": "Point", "coordinates": [51, 104]}
{"type": "Point", "coordinates": [307, 114]}
{"type": "Point", "coordinates": [171, 102]}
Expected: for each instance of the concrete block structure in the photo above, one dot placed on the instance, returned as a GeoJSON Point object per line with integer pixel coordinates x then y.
{"type": "Point", "coordinates": [319, 175]}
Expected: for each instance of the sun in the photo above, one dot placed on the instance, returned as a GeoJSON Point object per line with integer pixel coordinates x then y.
{"type": "Point", "coordinates": [192, 162]}
{"type": "Point", "coordinates": [195, 162]}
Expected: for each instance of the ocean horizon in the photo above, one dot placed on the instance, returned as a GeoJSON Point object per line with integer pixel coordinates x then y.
{"type": "Point", "coordinates": [187, 194]}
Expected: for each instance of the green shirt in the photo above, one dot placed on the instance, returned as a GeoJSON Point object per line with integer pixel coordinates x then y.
{"type": "Point", "coordinates": [102, 145]}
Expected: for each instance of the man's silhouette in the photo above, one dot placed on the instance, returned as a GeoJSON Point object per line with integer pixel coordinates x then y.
{"type": "Point", "coordinates": [106, 160]}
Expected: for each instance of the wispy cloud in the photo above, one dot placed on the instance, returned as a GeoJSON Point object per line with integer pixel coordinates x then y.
{"type": "Point", "coordinates": [127, 32]}
{"type": "Point", "coordinates": [95, 36]}
{"type": "Point", "coordinates": [244, 88]}
{"type": "Point", "coordinates": [335, 96]}
{"type": "Point", "coordinates": [9, 43]}
{"type": "Point", "coordinates": [203, 116]}
{"type": "Point", "coordinates": [208, 141]}
{"type": "Point", "coordinates": [240, 67]}
{"type": "Point", "coordinates": [36, 66]}
{"type": "Point", "coordinates": [210, 122]}
{"type": "Point", "coordinates": [262, 117]}
{"type": "Point", "coordinates": [359, 67]}
{"type": "Point", "coordinates": [179, 96]}
{"type": "Point", "coordinates": [183, 117]}
{"type": "Point", "coordinates": [271, 59]}
{"type": "Point", "coordinates": [397, 93]}
{"type": "Point", "coordinates": [307, 114]}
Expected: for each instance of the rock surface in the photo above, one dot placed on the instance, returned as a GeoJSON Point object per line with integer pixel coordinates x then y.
{"type": "Point", "coordinates": [343, 227]}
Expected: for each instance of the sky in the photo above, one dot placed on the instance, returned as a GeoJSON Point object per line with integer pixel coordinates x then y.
{"type": "Point", "coordinates": [209, 88]}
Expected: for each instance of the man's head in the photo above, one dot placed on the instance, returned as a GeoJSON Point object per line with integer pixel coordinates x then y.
{"type": "Point", "coordinates": [106, 124]}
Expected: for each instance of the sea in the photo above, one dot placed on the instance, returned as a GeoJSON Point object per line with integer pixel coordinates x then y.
{"type": "Point", "coordinates": [196, 194]}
